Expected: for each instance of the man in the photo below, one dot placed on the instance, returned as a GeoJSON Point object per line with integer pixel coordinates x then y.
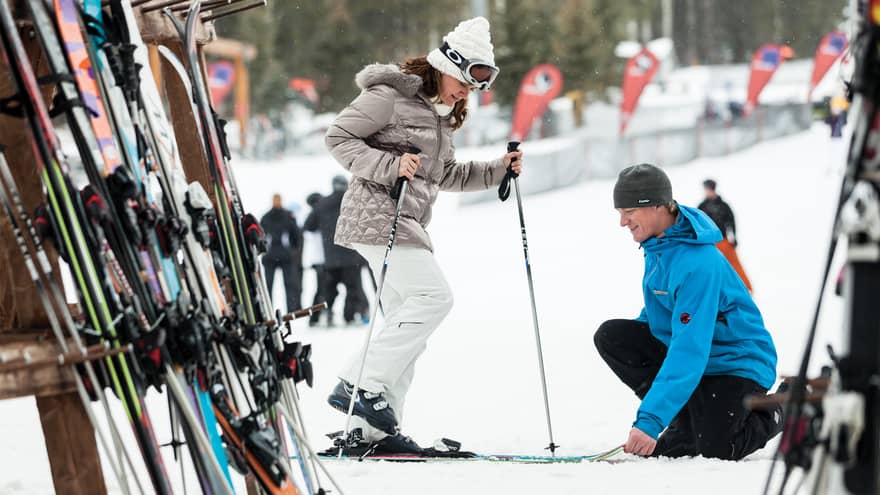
{"type": "Point", "coordinates": [699, 345]}
{"type": "Point", "coordinates": [341, 265]}
{"type": "Point", "coordinates": [720, 213]}
{"type": "Point", "coordinates": [284, 251]}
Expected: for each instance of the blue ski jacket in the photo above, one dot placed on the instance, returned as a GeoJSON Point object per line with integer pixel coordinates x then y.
{"type": "Point", "coordinates": [697, 305]}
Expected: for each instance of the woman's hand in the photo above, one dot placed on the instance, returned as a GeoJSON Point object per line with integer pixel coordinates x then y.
{"type": "Point", "coordinates": [409, 163]}
{"type": "Point", "coordinates": [639, 443]}
{"type": "Point", "coordinates": [514, 160]}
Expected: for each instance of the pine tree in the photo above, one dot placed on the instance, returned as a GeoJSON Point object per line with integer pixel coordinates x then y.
{"type": "Point", "coordinates": [524, 33]}
{"type": "Point", "coordinates": [580, 45]}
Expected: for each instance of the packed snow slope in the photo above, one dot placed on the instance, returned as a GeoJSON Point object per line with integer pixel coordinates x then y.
{"type": "Point", "coordinates": [478, 380]}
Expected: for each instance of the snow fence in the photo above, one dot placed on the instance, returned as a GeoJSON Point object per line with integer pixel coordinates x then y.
{"type": "Point", "coordinates": [563, 161]}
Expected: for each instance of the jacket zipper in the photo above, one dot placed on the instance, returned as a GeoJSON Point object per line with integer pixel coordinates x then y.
{"type": "Point", "coordinates": [439, 136]}
{"type": "Point", "coordinates": [653, 270]}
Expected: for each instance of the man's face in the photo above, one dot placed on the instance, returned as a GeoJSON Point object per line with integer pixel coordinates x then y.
{"type": "Point", "coordinates": [276, 201]}
{"type": "Point", "coordinates": [710, 193]}
{"type": "Point", "coordinates": [643, 223]}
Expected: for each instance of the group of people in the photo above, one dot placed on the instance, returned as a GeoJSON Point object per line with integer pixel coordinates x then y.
{"type": "Point", "coordinates": [289, 245]}
{"type": "Point", "coordinates": [696, 350]}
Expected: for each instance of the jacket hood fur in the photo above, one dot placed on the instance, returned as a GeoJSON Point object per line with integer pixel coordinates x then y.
{"type": "Point", "coordinates": [389, 74]}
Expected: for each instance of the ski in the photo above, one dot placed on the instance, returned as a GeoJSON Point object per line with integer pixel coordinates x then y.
{"type": "Point", "coordinates": [256, 435]}
{"type": "Point", "coordinates": [111, 47]}
{"type": "Point", "coordinates": [604, 456]}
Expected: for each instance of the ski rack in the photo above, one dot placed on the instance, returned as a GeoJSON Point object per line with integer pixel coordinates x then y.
{"type": "Point", "coordinates": [207, 347]}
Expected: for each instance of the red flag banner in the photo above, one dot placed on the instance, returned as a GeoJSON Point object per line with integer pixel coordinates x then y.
{"type": "Point", "coordinates": [539, 87]}
{"type": "Point", "coordinates": [830, 49]}
{"type": "Point", "coordinates": [306, 88]}
{"type": "Point", "coordinates": [639, 71]}
{"type": "Point", "coordinates": [765, 62]}
{"type": "Point", "coordinates": [221, 75]}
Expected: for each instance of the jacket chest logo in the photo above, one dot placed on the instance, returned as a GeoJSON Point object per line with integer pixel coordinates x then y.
{"type": "Point", "coordinates": [685, 318]}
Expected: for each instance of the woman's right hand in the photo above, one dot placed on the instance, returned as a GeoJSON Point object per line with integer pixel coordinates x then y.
{"type": "Point", "coordinates": [409, 163]}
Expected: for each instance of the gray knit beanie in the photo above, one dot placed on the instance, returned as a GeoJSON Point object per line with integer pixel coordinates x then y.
{"type": "Point", "coordinates": [642, 185]}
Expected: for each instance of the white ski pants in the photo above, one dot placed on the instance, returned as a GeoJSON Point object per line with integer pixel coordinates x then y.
{"type": "Point", "coordinates": [415, 300]}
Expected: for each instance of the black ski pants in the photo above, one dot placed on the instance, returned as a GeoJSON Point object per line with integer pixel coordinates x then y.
{"type": "Point", "coordinates": [319, 292]}
{"type": "Point", "coordinates": [292, 280]}
{"type": "Point", "coordinates": [350, 277]}
{"type": "Point", "coordinates": [713, 422]}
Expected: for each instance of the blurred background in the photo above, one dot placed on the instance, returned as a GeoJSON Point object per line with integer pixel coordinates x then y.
{"type": "Point", "coordinates": [303, 56]}
{"type": "Point", "coordinates": [627, 81]}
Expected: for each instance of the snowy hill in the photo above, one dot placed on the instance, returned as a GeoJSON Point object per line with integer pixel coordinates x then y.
{"type": "Point", "coordinates": [478, 381]}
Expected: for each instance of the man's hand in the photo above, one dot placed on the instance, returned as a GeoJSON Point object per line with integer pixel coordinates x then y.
{"type": "Point", "coordinates": [639, 443]}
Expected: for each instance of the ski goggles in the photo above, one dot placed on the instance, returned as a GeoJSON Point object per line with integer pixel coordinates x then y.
{"type": "Point", "coordinates": [477, 73]}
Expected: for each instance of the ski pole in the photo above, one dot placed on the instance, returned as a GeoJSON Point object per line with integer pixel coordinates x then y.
{"type": "Point", "coordinates": [398, 192]}
{"type": "Point", "coordinates": [503, 193]}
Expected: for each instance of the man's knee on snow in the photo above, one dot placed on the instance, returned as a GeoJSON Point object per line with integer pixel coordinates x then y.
{"type": "Point", "coordinates": [716, 448]}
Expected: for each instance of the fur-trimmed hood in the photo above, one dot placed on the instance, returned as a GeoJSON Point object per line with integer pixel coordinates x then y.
{"type": "Point", "coordinates": [389, 74]}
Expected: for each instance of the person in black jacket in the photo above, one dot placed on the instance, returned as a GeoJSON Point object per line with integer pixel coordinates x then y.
{"type": "Point", "coordinates": [341, 265]}
{"type": "Point", "coordinates": [313, 256]}
{"type": "Point", "coordinates": [284, 241]}
{"type": "Point", "coordinates": [719, 211]}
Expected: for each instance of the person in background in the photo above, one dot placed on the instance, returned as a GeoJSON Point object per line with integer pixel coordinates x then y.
{"type": "Point", "coordinates": [699, 346]}
{"type": "Point", "coordinates": [720, 213]}
{"type": "Point", "coordinates": [341, 265]}
{"type": "Point", "coordinates": [313, 257]}
{"type": "Point", "coordinates": [836, 118]}
{"type": "Point", "coordinates": [284, 251]}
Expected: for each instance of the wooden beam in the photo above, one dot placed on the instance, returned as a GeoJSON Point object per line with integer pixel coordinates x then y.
{"type": "Point", "coordinates": [70, 442]}
{"type": "Point", "coordinates": [35, 380]}
{"type": "Point", "coordinates": [155, 65]}
{"type": "Point", "coordinates": [242, 100]}
{"type": "Point", "coordinates": [230, 49]}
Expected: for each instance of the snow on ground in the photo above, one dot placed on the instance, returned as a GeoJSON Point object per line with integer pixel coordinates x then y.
{"type": "Point", "coordinates": [478, 380]}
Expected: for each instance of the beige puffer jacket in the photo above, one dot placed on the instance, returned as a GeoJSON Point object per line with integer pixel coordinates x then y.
{"type": "Point", "coordinates": [368, 137]}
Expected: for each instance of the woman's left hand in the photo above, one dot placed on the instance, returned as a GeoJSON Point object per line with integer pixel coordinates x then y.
{"type": "Point", "coordinates": [514, 160]}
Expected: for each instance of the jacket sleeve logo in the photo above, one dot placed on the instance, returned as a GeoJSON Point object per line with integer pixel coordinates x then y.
{"type": "Point", "coordinates": [685, 318]}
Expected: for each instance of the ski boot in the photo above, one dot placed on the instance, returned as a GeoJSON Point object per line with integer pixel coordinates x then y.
{"type": "Point", "coordinates": [372, 407]}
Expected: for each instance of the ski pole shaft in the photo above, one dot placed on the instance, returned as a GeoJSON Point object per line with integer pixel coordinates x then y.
{"type": "Point", "coordinates": [512, 146]}
{"type": "Point", "coordinates": [401, 185]}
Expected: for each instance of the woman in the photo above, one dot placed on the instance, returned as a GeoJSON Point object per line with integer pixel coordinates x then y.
{"type": "Point", "coordinates": [415, 105]}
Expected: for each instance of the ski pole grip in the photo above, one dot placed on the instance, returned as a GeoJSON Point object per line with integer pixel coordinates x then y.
{"type": "Point", "coordinates": [504, 187]}
{"type": "Point", "coordinates": [395, 191]}
{"type": "Point", "coordinates": [512, 146]}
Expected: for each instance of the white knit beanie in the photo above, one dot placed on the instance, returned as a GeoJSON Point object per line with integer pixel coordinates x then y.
{"type": "Point", "coordinates": [472, 40]}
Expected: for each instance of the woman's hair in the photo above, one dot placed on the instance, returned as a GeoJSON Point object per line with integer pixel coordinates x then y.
{"type": "Point", "coordinates": [431, 78]}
